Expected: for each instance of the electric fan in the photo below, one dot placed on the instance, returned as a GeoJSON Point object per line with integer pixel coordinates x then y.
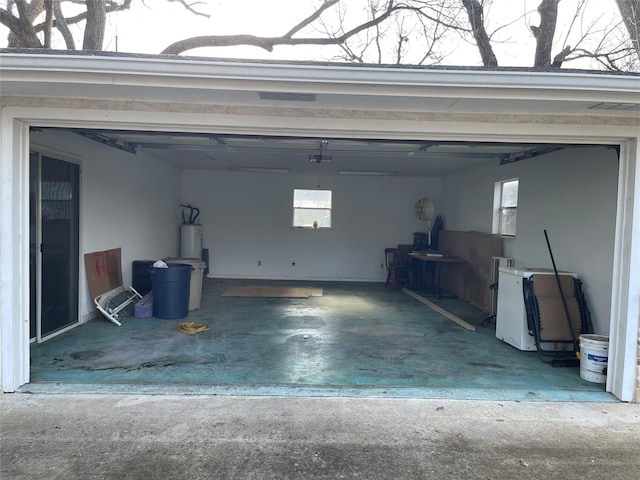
{"type": "Point", "coordinates": [425, 211]}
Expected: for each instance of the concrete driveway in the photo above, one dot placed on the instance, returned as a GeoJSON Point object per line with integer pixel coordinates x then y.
{"type": "Point", "coordinates": [224, 437]}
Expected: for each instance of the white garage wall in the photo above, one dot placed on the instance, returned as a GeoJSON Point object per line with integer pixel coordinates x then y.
{"type": "Point", "coordinates": [247, 218]}
{"type": "Point", "coordinates": [127, 201]}
{"type": "Point", "coordinates": [570, 193]}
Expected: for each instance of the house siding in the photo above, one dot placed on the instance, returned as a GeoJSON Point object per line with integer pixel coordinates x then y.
{"type": "Point", "coordinates": [637, 395]}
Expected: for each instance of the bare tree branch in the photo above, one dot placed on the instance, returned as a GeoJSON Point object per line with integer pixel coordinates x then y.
{"type": "Point", "coordinates": [561, 57]}
{"type": "Point", "coordinates": [395, 31]}
{"type": "Point", "coordinates": [377, 39]}
{"type": "Point", "coordinates": [267, 43]}
{"type": "Point", "coordinates": [112, 6]}
{"type": "Point", "coordinates": [611, 51]}
{"type": "Point", "coordinates": [610, 60]}
{"type": "Point", "coordinates": [23, 8]}
{"type": "Point", "coordinates": [437, 33]}
{"type": "Point", "coordinates": [63, 28]}
{"type": "Point", "coordinates": [400, 41]}
{"type": "Point", "coordinates": [439, 16]}
{"type": "Point", "coordinates": [356, 48]}
{"type": "Point", "coordinates": [311, 18]}
{"type": "Point", "coordinates": [190, 7]}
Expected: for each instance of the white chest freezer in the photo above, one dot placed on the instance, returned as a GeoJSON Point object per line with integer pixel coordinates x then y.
{"type": "Point", "coordinates": [511, 314]}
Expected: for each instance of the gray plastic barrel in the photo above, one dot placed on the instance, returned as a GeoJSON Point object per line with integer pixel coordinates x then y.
{"type": "Point", "coordinates": [171, 288]}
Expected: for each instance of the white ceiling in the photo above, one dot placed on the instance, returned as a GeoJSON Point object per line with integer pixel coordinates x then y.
{"type": "Point", "coordinates": [301, 155]}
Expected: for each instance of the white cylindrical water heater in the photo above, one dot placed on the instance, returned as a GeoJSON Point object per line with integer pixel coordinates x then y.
{"type": "Point", "coordinates": [190, 241]}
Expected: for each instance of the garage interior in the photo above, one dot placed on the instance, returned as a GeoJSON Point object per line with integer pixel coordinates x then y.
{"type": "Point", "coordinates": [361, 337]}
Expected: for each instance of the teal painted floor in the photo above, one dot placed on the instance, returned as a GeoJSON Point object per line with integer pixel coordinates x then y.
{"type": "Point", "coordinates": [358, 339]}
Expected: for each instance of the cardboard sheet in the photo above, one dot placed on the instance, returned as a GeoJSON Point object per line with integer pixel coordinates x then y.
{"type": "Point", "coordinates": [268, 291]}
{"type": "Point", "coordinates": [104, 271]}
{"type": "Point", "coordinates": [471, 281]}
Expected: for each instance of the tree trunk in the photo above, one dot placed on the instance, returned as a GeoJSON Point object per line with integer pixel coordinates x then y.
{"type": "Point", "coordinates": [548, 10]}
{"type": "Point", "coordinates": [23, 34]}
{"type": "Point", "coordinates": [476, 20]}
{"type": "Point", "coordinates": [48, 5]}
{"type": "Point", "coordinates": [630, 11]}
{"type": "Point", "coordinates": [96, 21]}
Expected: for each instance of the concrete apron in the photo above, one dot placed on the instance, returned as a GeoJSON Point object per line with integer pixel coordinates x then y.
{"type": "Point", "coordinates": [203, 437]}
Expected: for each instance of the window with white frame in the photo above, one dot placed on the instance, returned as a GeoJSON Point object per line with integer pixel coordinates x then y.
{"type": "Point", "coordinates": [507, 196]}
{"type": "Point", "coordinates": [311, 208]}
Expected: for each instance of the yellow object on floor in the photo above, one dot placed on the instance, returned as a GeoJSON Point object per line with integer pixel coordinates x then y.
{"type": "Point", "coordinates": [192, 327]}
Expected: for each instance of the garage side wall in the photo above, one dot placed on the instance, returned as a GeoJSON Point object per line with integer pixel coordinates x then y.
{"type": "Point", "coordinates": [247, 220]}
{"type": "Point", "coordinates": [572, 194]}
{"type": "Point", "coordinates": [127, 201]}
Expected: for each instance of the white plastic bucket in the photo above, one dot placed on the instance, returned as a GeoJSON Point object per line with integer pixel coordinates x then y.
{"type": "Point", "coordinates": [594, 357]}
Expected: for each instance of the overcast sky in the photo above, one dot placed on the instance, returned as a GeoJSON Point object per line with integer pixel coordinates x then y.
{"type": "Point", "coordinates": [150, 26]}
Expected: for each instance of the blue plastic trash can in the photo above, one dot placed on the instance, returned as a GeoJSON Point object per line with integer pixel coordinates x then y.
{"type": "Point", "coordinates": [171, 288]}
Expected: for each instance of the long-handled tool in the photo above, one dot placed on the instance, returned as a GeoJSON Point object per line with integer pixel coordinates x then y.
{"type": "Point", "coordinates": [564, 301]}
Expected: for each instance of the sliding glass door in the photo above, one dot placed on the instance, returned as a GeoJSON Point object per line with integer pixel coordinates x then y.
{"type": "Point", "coordinates": [54, 242]}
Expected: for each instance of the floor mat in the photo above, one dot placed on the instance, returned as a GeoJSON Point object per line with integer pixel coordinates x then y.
{"type": "Point", "coordinates": [267, 291]}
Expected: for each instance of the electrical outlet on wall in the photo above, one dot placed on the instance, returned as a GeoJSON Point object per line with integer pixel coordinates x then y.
{"type": "Point", "coordinates": [259, 263]}
{"type": "Point", "coordinates": [382, 265]}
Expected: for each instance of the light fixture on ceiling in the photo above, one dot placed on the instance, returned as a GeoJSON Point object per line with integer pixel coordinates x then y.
{"type": "Point", "coordinates": [321, 157]}
{"type": "Point", "coordinates": [372, 173]}
{"type": "Point", "coordinates": [260, 169]}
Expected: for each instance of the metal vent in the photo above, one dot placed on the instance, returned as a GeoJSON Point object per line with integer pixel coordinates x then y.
{"type": "Point", "coordinates": [615, 106]}
{"type": "Point", "coordinates": [288, 97]}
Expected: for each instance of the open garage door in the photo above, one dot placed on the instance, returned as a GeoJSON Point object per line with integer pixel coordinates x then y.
{"type": "Point", "coordinates": [225, 175]}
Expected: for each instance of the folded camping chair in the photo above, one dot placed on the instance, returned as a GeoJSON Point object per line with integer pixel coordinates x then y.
{"type": "Point", "coordinates": [546, 317]}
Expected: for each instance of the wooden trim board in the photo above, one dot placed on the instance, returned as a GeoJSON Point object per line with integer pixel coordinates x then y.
{"type": "Point", "coordinates": [440, 310]}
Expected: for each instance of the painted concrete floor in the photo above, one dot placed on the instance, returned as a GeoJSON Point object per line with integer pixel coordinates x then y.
{"type": "Point", "coordinates": [358, 339]}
